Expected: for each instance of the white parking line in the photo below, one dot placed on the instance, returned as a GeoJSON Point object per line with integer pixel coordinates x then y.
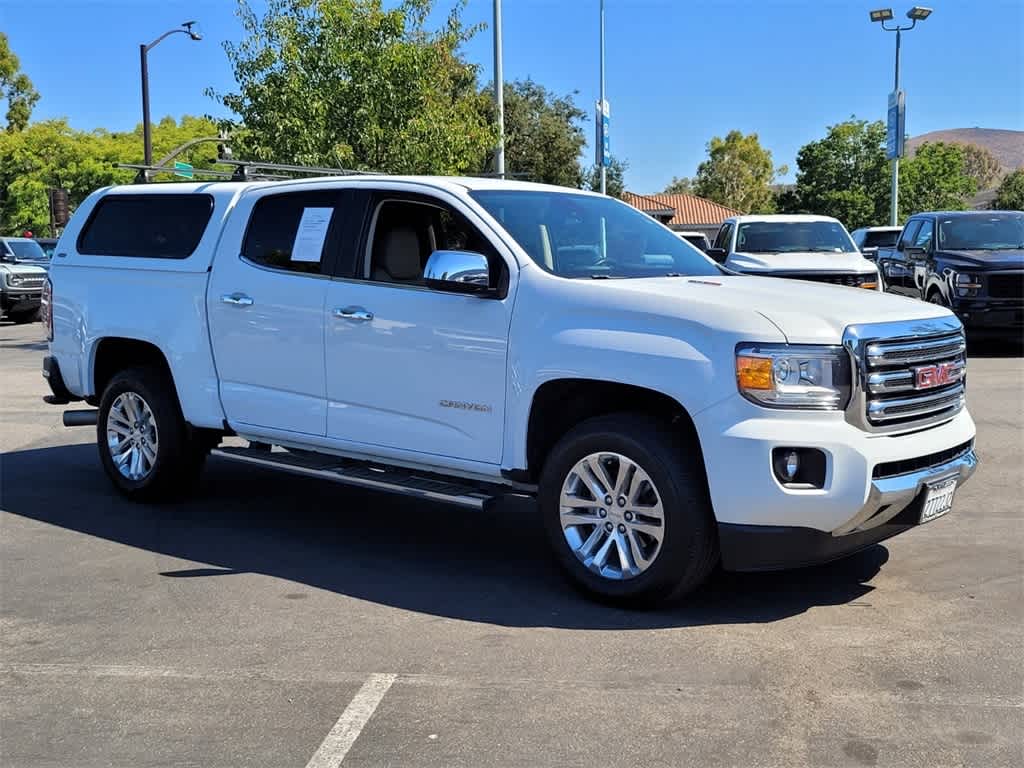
{"type": "Point", "coordinates": [351, 723]}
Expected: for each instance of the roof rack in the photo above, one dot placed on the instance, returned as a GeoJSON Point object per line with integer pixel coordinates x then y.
{"type": "Point", "coordinates": [244, 170]}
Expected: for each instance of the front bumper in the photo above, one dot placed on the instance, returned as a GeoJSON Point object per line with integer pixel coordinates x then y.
{"type": "Point", "coordinates": [990, 315]}
{"type": "Point", "coordinates": [15, 300]}
{"type": "Point", "coordinates": [893, 506]}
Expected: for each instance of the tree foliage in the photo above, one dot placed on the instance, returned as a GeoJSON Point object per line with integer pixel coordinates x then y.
{"type": "Point", "coordinates": [355, 84]}
{"type": "Point", "coordinates": [738, 173]}
{"type": "Point", "coordinates": [679, 185]}
{"type": "Point", "coordinates": [981, 165]}
{"type": "Point", "coordinates": [51, 154]}
{"type": "Point", "coordinates": [543, 134]}
{"type": "Point", "coordinates": [15, 88]}
{"type": "Point", "coordinates": [615, 178]}
{"type": "Point", "coordinates": [1010, 194]}
{"type": "Point", "coordinates": [844, 174]}
{"type": "Point", "coordinates": [934, 179]}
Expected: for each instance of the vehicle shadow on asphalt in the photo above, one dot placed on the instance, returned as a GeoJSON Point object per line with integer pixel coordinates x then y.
{"type": "Point", "coordinates": [492, 567]}
{"type": "Point", "coordinates": [996, 348]}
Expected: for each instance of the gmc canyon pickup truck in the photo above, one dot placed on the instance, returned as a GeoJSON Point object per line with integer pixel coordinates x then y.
{"type": "Point", "coordinates": [969, 261]}
{"type": "Point", "coordinates": [457, 340]}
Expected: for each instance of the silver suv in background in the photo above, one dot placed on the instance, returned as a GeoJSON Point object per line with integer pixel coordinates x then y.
{"type": "Point", "coordinates": [870, 239]}
{"type": "Point", "coordinates": [21, 278]}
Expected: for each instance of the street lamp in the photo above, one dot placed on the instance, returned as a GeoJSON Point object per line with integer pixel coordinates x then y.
{"type": "Point", "coordinates": [187, 28]}
{"type": "Point", "coordinates": [882, 15]}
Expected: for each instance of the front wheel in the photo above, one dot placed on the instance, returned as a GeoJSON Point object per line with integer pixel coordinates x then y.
{"type": "Point", "coordinates": [626, 509]}
{"type": "Point", "coordinates": [143, 440]}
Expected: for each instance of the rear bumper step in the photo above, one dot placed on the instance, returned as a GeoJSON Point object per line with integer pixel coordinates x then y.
{"type": "Point", "coordinates": [390, 479]}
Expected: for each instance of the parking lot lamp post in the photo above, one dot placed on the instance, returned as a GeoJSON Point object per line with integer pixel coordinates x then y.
{"type": "Point", "coordinates": [147, 139]}
{"type": "Point", "coordinates": [882, 15]}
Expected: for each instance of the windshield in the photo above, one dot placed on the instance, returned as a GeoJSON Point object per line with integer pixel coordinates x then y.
{"type": "Point", "coordinates": [883, 239]}
{"type": "Point", "coordinates": [793, 237]}
{"type": "Point", "coordinates": [585, 236]}
{"type": "Point", "coordinates": [27, 250]}
{"type": "Point", "coordinates": [996, 232]}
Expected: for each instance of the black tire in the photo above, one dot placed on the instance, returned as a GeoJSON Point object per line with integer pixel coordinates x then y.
{"type": "Point", "coordinates": [689, 549]}
{"type": "Point", "coordinates": [22, 318]}
{"type": "Point", "coordinates": [179, 458]}
{"type": "Point", "coordinates": [935, 297]}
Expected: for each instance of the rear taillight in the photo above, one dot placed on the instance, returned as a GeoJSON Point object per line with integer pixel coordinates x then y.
{"type": "Point", "coordinates": [46, 308]}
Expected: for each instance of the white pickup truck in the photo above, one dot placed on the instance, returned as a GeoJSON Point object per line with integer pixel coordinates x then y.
{"type": "Point", "coordinates": [461, 339]}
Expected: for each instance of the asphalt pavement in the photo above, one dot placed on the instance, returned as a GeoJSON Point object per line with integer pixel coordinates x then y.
{"type": "Point", "coordinates": [274, 621]}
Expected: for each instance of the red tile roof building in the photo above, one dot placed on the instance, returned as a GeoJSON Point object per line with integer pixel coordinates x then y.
{"type": "Point", "coordinates": [682, 211]}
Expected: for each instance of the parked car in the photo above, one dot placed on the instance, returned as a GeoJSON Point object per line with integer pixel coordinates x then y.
{"type": "Point", "coordinates": [25, 250]}
{"type": "Point", "coordinates": [456, 340]}
{"type": "Point", "coordinates": [869, 239]}
{"type": "Point", "coordinates": [969, 261]}
{"type": "Point", "coordinates": [696, 239]}
{"type": "Point", "coordinates": [21, 281]}
{"type": "Point", "coordinates": [48, 244]}
{"type": "Point", "coordinates": [800, 247]}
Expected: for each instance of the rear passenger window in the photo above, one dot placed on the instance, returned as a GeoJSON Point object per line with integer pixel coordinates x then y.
{"type": "Point", "coordinates": [146, 226]}
{"type": "Point", "coordinates": [290, 231]}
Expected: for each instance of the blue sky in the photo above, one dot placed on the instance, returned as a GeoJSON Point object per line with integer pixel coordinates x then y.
{"type": "Point", "coordinates": [678, 71]}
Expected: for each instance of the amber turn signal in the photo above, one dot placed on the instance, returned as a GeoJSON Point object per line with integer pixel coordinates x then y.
{"type": "Point", "coordinates": [754, 372]}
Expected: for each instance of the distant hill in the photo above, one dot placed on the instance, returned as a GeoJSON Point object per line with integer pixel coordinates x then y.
{"type": "Point", "coordinates": [1006, 146]}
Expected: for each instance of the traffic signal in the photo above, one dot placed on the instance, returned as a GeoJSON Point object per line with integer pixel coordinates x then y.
{"type": "Point", "coordinates": [60, 207]}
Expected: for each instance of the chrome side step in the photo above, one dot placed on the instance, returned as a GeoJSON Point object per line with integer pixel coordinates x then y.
{"type": "Point", "coordinates": [388, 479]}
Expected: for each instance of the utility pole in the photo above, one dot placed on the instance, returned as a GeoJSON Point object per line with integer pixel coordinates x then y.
{"type": "Point", "coordinates": [604, 171]}
{"type": "Point", "coordinates": [499, 93]}
{"type": "Point", "coordinates": [894, 210]}
{"type": "Point", "coordinates": [188, 28]}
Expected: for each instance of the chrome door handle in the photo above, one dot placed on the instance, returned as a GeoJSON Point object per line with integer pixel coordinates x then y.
{"type": "Point", "coordinates": [237, 299]}
{"type": "Point", "coordinates": [353, 313]}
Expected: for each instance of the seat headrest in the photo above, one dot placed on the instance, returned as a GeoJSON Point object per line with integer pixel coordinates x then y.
{"type": "Point", "coordinates": [401, 254]}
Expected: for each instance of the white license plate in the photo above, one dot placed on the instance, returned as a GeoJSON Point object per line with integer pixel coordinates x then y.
{"type": "Point", "coordinates": [938, 499]}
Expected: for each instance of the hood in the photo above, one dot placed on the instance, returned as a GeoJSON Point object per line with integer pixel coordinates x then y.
{"type": "Point", "coordinates": [21, 268]}
{"type": "Point", "coordinates": [805, 312]}
{"type": "Point", "coordinates": [802, 261]}
{"type": "Point", "coordinates": [1008, 259]}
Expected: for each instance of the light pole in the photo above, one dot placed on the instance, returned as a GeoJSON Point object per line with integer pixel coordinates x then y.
{"type": "Point", "coordinates": [882, 15]}
{"type": "Point", "coordinates": [499, 93]}
{"type": "Point", "coordinates": [604, 174]}
{"type": "Point", "coordinates": [147, 139]}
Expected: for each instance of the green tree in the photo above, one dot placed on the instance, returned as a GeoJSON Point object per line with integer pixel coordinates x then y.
{"type": "Point", "coordinates": [981, 165]}
{"type": "Point", "coordinates": [679, 185]}
{"type": "Point", "coordinates": [615, 178]}
{"type": "Point", "coordinates": [51, 154]}
{"type": "Point", "coordinates": [15, 88]}
{"type": "Point", "coordinates": [355, 84]}
{"type": "Point", "coordinates": [1010, 194]}
{"type": "Point", "coordinates": [844, 174]}
{"type": "Point", "coordinates": [935, 179]}
{"type": "Point", "coordinates": [543, 134]}
{"type": "Point", "coordinates": [738, 173]}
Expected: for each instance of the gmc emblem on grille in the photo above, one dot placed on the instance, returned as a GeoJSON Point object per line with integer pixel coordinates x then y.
{"type": "Point", "coordinates": [940, 374]}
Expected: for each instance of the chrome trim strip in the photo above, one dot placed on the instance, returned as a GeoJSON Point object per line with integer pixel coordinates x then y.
{"type": "Point", "coordinates": [878, 410]}
{"type": "Point", "coordinates": [878, 352]}
{"type": "Point", "coordinates": [891, 495]}
{"type": "Point", "coordinates": [893, 381]}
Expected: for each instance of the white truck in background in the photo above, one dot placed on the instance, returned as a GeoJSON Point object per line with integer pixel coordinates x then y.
{"type": "Point", "coordinates": [459, 339]}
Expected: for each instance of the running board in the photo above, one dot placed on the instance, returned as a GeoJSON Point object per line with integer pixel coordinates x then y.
{"type": "Point", "coordinates": [347, 472]}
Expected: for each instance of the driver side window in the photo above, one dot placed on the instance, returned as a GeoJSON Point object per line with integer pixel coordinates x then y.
{"type": "Point", "coordinates": [923, 239]}
{"type": "Point", "coordinates": [909, 234]}
{"type": "Point", "coordinates": [405, 232]}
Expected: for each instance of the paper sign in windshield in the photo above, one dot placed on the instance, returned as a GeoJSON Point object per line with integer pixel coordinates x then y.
{"type": "Point", "coordinates": [309, 240]}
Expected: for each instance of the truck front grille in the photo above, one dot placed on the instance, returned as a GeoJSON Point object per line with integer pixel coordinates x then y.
{"type": "Point", "coordinates": [907, 381]}
{"type": "Point", "coordinates": [1008, 285]}
{"type": "Point", "coordinates": [853, 280]}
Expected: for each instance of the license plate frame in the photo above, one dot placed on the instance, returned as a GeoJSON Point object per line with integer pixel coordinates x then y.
{"type": "Point", "coordinates": [938, 499]}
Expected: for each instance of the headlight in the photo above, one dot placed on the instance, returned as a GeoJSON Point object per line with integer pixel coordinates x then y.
{"type": "Point", "coordinates": [13, 279]}
{"type": "Point", "coordinates": [966, 285]}
{"type": "Point", "coordinates": [794, 376]}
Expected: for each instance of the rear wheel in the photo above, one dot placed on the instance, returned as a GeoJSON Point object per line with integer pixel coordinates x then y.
{"type": "Point", "coordinates": [626, 509]}
{"type": "Point", "coordinates": [144, 442]}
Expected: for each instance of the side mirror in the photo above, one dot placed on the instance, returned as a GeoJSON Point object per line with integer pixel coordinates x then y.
{"type": "Point", "coordinates": [458, 272]}
{"type": "Point", "coordinates": [718, 254]}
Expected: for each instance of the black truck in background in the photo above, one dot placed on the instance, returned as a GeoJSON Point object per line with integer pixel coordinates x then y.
{"type": "Point", "coordinates": [969, 261]}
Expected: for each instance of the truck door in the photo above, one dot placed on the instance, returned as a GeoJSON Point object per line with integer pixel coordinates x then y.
{"type": "Point", "coordinates": [409, 367]}
{"type": "Point", "coordinates": [896, 268]}
{"type": "Point", "coordinates": [266, 308]}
